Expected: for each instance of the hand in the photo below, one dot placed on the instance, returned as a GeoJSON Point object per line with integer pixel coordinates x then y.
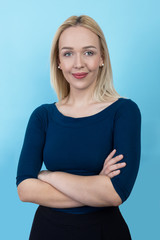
{"type": "Point", "coordinates": [110, 165]}
{"type": "Point", "coordinates": [43, 175]}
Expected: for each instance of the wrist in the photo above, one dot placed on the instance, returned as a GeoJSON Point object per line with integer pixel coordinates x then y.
{"type": "Point", "coordinates": [44, 175]}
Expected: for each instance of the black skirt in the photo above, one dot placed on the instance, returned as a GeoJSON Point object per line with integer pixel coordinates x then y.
{"type": "Point", "coordinates": [104, 224]}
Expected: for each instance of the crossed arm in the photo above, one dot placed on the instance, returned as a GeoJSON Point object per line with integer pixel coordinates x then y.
{"type": "Point", "coordinates": [64, 190]}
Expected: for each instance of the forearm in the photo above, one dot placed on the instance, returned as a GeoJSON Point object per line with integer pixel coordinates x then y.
{"type": "Point", "coordinates": [42, 193]}
{"type": "Point", "coordinates": [96, 191]}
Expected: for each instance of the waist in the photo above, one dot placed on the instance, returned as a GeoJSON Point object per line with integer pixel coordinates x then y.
{"type": "Point", "coordinates": [96, 216]}
{"type": "Point", "coordinates": [78, 210]}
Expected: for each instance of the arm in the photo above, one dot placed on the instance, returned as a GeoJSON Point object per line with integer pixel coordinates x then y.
{"type": "Point", "coordinates": [96, 191]}
{"type": "Point", "coordinates": [109, 169]}
{"type": "Point", "coordinates": [30, 189]}
{"type": "Point", "coordinates": [100, 190]}
{"type": "Point", "coordinates": [127, 140]}
{"type": "Point", "coordinates": [59, 198]}
{"type": "Point", "coordinates": [39, 192]}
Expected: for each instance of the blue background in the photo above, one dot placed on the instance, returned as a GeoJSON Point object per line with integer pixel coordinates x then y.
{"type": "Point", "coordinates": [132, 30]}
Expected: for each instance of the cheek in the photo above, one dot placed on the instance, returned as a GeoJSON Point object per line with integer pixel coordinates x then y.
{"type": "Point", "coordinates": [66, 65]}
{"type": "Point", "coordinates": [94, 65]}
{"type": "Point", "coordinates": [91, 64]}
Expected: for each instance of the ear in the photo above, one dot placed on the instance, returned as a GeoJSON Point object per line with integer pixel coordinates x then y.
{"type": "Point", "coordinates": [101, 63]}
{"type": "Point", "coordinates": [101, 60]}
{"type": "Point", "coordinates": [58, 61]}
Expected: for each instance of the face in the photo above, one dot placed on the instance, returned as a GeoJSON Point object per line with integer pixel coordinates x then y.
{"type": "Point", "coordinates": [79, 52]}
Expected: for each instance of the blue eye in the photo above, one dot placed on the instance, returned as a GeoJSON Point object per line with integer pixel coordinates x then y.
{"type": "Point", "coordinates": [67, 54]}
{"type": "Point", "coordinates": [90, 53]}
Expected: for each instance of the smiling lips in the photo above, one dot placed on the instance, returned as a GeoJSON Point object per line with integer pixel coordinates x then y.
{"type": "Point", "coordinates": [80, 75]}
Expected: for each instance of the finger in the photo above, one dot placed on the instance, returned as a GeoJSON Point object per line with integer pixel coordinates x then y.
{"type": "Point", "coordinates": [114, 173]}
{"type": "Point", "coordinates": [115, 167]}
{"type": "Point", "coordinates": [108, 169]}
{"type": "Point", "coordinates": [115, 159]}
{"type": "Point", "coordinates": [110, 156]}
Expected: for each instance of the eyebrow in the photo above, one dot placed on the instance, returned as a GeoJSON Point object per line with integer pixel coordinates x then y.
{"type": "Point", "coordinates": [83, 47]}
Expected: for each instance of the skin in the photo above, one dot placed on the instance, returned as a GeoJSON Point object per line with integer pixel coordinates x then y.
{"type": "Point", "coordinates": [89, 190]}
{"type": "Point", "coordinates": [60, 189]}
{"type": "Point", "coordinates": [79, 60]}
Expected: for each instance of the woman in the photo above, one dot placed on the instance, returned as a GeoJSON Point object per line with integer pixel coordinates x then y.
{"type": "Point", "coordinates": [89, 142]}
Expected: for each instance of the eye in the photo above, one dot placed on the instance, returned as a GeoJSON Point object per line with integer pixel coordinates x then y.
{"type": "Point", "coordinates": [89, 53]}
{"type": "Point", "coordinates": [67, 54]}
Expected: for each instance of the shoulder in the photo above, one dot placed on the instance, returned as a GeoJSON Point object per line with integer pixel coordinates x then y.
{"type": "Point", "coordinates": [42, 109]}
{"type": "Point", "coordinates": [40, 114]}
{"type": "Point", "coordinates": [127, 103]}
{"type": "Point", "coordinates": [128, 107]}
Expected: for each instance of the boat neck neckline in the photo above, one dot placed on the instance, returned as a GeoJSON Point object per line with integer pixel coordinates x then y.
{"type": "Point", "coordinates": [99, 114]}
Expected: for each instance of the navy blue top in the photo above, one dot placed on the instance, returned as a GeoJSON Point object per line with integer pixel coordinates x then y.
{"type": "Point", "coordinates": [81, 145]}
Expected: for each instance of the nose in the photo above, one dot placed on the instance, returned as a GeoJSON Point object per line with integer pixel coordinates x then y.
{"type": "Point", "coordinates": [78, 63]}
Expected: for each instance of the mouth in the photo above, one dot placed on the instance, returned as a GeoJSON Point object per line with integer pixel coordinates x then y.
{"type": "Point", "coordinates": [80, 75]}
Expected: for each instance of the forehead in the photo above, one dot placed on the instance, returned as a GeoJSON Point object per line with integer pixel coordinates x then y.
{"type": "Point", "coordinates": [78, 37]}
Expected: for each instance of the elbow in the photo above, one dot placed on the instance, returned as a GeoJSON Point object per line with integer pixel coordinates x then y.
{"type": "Point", "coordinates": [22, 191]}
{"type": "Point", "coordinates": [21, 197]}
{"type": "Point", "coordinates": [116, 201]}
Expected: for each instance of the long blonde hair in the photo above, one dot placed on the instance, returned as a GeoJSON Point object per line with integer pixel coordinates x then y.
{"type": "Point", "coordinates": [104, 88]}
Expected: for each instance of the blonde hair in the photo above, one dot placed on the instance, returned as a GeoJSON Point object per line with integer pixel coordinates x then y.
{"type": "Point", "coordinates": [104, 88]}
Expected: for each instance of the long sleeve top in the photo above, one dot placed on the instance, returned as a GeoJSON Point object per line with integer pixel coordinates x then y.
{"type": "Point", "coordinates": [81, 145]}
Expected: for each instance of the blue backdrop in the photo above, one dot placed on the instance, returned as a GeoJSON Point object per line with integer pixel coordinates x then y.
{"type": "Point", "coordinates": [26, 32]}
